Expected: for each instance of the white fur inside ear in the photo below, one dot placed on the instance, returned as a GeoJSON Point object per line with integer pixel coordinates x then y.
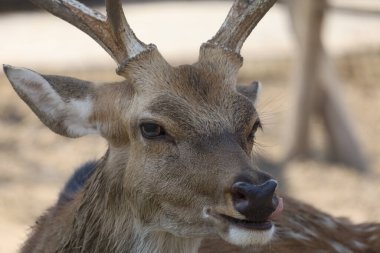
{"type": "Point", "coordinates": [36, 89]}
{"type": "Point", "coordinates": [258, 92]}
{"type": "Point", "coordinates": [39, 94]}
{"type": "Point", "coordinates": [79, 112]}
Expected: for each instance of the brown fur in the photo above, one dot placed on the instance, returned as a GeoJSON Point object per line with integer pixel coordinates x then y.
{"type": "Point", "coordinates": [67, 87]}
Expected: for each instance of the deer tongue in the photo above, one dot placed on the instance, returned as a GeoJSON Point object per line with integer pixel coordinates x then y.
{"type": "Point", "coordinates": [278, 211]}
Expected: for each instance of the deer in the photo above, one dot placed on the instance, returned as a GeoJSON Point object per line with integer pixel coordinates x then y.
{"type": "Point", "coordinates": [178, 166]}
{"type": "Point", "coordinates": [170, 131]}
{"type": "Point", "coordinates": [303, 228]}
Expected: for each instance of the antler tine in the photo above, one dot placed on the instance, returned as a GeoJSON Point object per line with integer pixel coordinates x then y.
{"type": "Point", "coordinates": [112, 32]}
{"type": "Point", "coordinates": [242, 18]}
{"type": "Point", "coordinates": [122, 32]}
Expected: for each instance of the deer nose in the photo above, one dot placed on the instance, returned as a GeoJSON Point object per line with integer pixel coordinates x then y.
{"type": "Point", "coordinates": [255, 202]}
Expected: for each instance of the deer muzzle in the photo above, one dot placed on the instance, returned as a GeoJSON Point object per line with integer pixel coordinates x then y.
{"type": "Point", "coordinates": [256, 202]}
{"type": "Point", "coordinates": [256, 205]}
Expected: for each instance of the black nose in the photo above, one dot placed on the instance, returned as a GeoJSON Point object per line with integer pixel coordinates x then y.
{"type": "Point", "coordinates": [255, 202]}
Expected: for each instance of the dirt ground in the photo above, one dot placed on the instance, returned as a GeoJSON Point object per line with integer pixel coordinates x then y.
{"type": "Point", "coordinates": [35, 163]}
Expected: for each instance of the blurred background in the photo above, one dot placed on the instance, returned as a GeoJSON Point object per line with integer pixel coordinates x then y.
{"type": "Point", "coordinates": [326, 154]}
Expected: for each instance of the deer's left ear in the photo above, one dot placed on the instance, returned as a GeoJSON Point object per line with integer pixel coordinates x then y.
{"type": "Point", "coordinates": [251, 91]}
{"type": "Point", "coordinates": [63, 104]}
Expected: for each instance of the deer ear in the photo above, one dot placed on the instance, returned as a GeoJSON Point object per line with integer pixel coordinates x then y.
{"type": "Point", "coordinates": [63, 104]}
{"type": "Point", "coordinates": [251, 91]}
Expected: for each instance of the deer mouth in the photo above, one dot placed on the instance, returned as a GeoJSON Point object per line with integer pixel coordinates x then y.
{"type": "Point", "coordinates": [260, 225]}
{"type": "Point", "coordinates": [247, 224]}
{"type": "Point", "coordinates": [242, 231]}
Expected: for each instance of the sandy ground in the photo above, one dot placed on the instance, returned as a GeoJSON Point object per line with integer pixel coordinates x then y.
{"type": "Point", "coordinates": [35, 163]}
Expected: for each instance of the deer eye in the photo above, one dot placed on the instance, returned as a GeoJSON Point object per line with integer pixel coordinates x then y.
{"type": "Point", "coordinates": [257, 125]}
{"type": "Point", "coordinates": [151, 130]}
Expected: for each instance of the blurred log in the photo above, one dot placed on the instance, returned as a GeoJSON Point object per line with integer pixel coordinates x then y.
{"type": "Point", "coordinates": [317, 91]}
{"type": "Point", "coordinates": [344, 145]}
{"type": "Point", "coordinates": [307, 17]}
{"type": "Point", "coordinates": [363, 7]}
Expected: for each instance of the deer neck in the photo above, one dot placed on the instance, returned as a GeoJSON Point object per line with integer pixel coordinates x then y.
{"type": "Point", "coordinates": [160, 242]}
{"type": "Point", "coordinates": [106, 222]}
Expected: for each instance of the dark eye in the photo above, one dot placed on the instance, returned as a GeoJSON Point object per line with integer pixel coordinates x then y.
{"type": "Point", "coordinates": [257, 125]}
{"type": "Point", "coordinates": [151, 130]}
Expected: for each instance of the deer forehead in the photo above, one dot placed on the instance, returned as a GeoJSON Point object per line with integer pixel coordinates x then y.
{"type": "Point", "coordinates": [227, 112]}
{"type": "Point", "coordinates": [183, 98]}
{"type": "Point", "coordinates": [190, 95]}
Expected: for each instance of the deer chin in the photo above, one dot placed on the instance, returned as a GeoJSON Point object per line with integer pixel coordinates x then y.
{"type": "Point", "coordinates": [245, 232]}
{"type": "Point", "coordinates": [241, 232]}
{"type": "Point", "coordinates": [244, 237]}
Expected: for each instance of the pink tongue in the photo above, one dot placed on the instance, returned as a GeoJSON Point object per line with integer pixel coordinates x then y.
{"type": "Point", "coordinates": [278, 210]}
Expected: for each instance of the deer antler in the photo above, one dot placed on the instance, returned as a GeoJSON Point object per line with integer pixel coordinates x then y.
{"type": "Point", "coordinates": [242, 18]}
{"type": "Point", "coordinates": [112, 32]}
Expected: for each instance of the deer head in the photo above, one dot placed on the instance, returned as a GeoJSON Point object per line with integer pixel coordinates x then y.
{"type": "Point", "coordinates": [180, 138]}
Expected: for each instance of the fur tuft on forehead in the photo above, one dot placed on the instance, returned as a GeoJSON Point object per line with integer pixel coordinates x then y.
{"type": "Point", "coordinates": [216, 67]}
{"type": "Point", "coordinates": [220, 61]}
{"type": "Point", "coordinates": [147, 69]}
